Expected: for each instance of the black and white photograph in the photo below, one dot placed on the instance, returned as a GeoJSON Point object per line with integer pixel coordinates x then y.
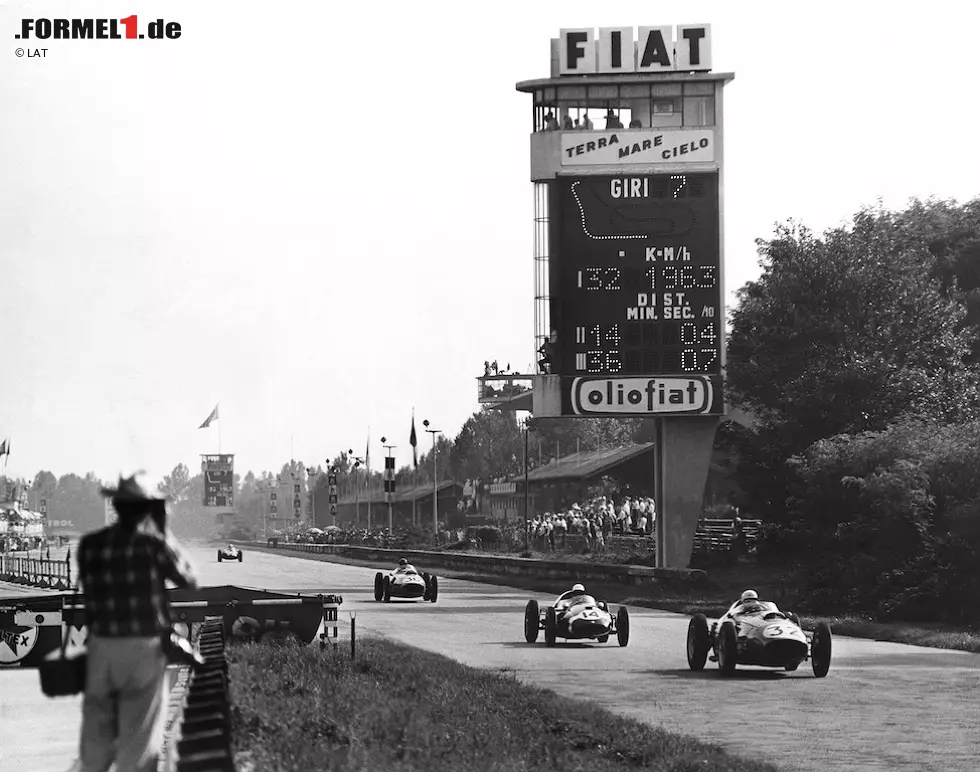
{"type": "Point", "coordinates": [445, 387]}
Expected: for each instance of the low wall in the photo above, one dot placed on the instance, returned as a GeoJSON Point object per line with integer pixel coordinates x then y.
{"type": "Point", "coordinates": [506, 565]}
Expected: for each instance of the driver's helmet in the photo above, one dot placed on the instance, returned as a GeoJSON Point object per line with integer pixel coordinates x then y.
{"type": "Point", "coordinates": [231, 547]}
{"type": "Point", "coordinates": [749, 595]}
{"type": "Point", "coordinates": [403, 562]}
{"type": "Point", "coordinates": [578, 588]}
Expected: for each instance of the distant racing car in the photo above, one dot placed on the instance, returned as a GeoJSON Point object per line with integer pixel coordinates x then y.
{"type": "Point", "coordinates": [406, 583]}
{"type": "Point", "coordinates": [575, 615]}
{"type": "Point", "coordinates": [231, 552]}
{"type": "Point", "coordinates": [754, 632]}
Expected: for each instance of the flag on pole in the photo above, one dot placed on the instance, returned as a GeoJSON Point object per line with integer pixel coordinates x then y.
{"type": "Point", "coordinates": [3, 448]}
{"type": "Point", "coordinates": [413, 440]}
{"type": "Point", "coordinates": [367, 454]}
{"type": "Point", "coordinates": [210, 418]}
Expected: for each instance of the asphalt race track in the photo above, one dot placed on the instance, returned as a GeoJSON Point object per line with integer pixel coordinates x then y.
{"type": "Point", "coordinates": [883, 706]}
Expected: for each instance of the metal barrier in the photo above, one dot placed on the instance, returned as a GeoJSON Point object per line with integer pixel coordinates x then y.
{"type": "Point", "coordinates": [36, 572]}
{"type": "Point", "coordinates": [718, 535]}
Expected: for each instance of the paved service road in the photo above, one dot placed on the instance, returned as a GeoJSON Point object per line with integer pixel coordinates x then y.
{"type": "Point", "coordinates": [883, 706]}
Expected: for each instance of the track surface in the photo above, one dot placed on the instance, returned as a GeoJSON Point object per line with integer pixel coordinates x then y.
{"type": "Point", "coordinates": [884, 706]}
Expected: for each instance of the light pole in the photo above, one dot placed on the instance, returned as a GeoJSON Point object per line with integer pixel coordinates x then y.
{"type": "Point", "coordinates": [391, 522]}
{"type": "Point", "coordinates": [435, 480]}
{"type": "Point", "coordinates": [312, 475]}
{"type": "Point", "coordinates": [357, 491]}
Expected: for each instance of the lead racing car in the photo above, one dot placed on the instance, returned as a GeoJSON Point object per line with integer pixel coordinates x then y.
{"type": "Point", "coordinates": [754, 632]}
{"type": "Point", "coordinates": [575, 615]}
{"type": "Point", "coordinates": [231, 552]}
{"type": "Point", "coordinates": [407, 583]}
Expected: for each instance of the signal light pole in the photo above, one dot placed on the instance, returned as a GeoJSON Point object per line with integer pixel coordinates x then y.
{"type": "Point", "coordinates": [435, 480]}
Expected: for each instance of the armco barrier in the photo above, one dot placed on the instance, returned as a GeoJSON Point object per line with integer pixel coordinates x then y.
{"type": "Point", "coordinates": [515, 566]}
{"type": "Point", "coordinates": [36, 572]}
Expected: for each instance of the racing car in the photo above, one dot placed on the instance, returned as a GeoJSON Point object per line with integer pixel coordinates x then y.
{"type": "Point", "coordinates": [754, 632]}
{"type": "Point", "coordinates": [231, 552]}
{"type": "Point", "coordinates": [575, 615]}
{"type": "Point", "coordinates": [407, 583]}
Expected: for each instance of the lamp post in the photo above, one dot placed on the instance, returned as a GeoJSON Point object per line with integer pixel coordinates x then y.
{"type": "Point", "coordinates": [312, 475]}
{"type": "Point", "coordinates": [391, 522]}
{"type": "Point", "coordinates": [357, 491]}
{"type": "Point", "coordinates": [435, 480]}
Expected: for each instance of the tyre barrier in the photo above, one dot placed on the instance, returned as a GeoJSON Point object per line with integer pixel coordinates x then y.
{"type": "Point", "coordinates": [204, 737]}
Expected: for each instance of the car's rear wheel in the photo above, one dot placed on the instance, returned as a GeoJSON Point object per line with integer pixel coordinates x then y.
{"type": "Point", "coordinates": [532, 617]}
{"type": "Point", "coordinates": [698, 642]}
{"type": "Point", "coordinates": [623, 626]}
{"type": "Point", "coordinates": [434, 588]}
{"type": "Point", "coordinates": [820, 649]}
{"type": "Point", "coordinates": [379, 587]}
{"type": "Point", "coordinates": [550, 626]}
{"type": "Point", "coordinates": [727, 649]}
{"type": "Point", "coordinates": [387, 589]}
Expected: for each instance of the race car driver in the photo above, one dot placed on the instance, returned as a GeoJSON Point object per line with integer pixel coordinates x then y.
{"type": "Point", "coordinates": [566, 597]}
{"type": "Point", "coordinates": [749, 603]}
{"type": "Point", "coordinates": [404, 567]}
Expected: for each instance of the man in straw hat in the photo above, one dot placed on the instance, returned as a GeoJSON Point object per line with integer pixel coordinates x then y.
{"type": "Point", "coordinates": [123, 570]}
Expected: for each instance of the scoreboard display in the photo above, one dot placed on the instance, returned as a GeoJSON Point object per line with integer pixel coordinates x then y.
{"type": "Point", "coordinates": [219, 480]}
{"type": "Point", "coordinates": [638, 275]}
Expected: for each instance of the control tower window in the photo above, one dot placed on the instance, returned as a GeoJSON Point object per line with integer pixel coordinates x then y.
{"type": "Point", "coordinates": [624, 106]}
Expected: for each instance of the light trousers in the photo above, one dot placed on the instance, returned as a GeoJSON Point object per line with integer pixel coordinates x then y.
{"type": "Point", "coordinates": [124, 708]}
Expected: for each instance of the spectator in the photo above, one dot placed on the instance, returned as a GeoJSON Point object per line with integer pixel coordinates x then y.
{"type": "Point", "coordinates": [123, 571]}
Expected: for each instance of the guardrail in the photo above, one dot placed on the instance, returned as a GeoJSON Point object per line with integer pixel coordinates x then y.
{"type": "Point", "coordinates": [36, 572]}
{"type": "Point", "coordinates": [515, 566]}
{"type": "Point", "coordinates": [718, 535]}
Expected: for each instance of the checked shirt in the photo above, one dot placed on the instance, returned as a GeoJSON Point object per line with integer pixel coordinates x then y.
{"type": "Point", "coordinates": [123, 577]}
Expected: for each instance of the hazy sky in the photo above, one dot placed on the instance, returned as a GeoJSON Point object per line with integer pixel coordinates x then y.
{"type": "Point", "coordinates": [320, 213]}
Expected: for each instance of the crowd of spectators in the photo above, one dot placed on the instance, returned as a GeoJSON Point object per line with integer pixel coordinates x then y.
{"type": "Point", "coordinates": [596, 520]}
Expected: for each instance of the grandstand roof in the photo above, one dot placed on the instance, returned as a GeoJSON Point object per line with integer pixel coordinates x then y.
{"type": "Point", "coordinates": [586, 464]}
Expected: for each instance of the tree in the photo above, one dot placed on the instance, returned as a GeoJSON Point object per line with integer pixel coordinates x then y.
{"type": "Point", "coordinates": [174, 486]}
{"type": "Point", "coordinates": [844, 334]}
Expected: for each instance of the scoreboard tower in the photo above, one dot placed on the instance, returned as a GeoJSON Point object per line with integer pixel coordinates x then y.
{"type": "Point", "coordinates": [629, 312]}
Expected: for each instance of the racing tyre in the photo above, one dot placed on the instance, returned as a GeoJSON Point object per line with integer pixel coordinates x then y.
{"type": "Point", "coordinates": [240, 554]}
{"type": "Point", "coordinates": [727, 649]}
{"type": "Point", "coordinates": [434, 588]}
{"type": "Point", "coordinates": [550, 626]}
{"type": "Point", "coordinates": [532, 615]}
{"type": "Point", "coordinates": [379, 586]}
{"type": "Point", "coordinates": [426, 578]}
{"type": "Point", "coordinates": [623, 626]}
{"type": "Point", "coordinates": [794, 619]}
{"type": "Point", "coordinates": [219, 556]}
{"type": "Point", "coordinates": [698, 642]}
{"type": "Point", "coordinates": [387, 589]}
{"type": "Point", "coordinates": [820, 649]}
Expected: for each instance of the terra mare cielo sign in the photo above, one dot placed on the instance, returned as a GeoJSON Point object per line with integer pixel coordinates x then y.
{"type": "Point", "coordinates": [615, 51]}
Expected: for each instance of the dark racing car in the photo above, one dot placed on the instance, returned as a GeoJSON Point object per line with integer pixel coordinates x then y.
{"type": "Point", "coordinates": [754, 632]}
{"type": "Point", "coordinates": [575, 615]}
{"type": "Point", "coordinates": [231, 552]}
{"type": "Point", "coordinates": [404, 582]}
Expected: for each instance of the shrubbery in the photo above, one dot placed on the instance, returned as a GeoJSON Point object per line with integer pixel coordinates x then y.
{"type": "Point", "coordinates": [886, 523]}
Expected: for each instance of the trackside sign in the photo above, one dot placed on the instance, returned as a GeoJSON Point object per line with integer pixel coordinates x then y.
{"type": "Point", "coordinates": [694, 395]}
{"type": "Point", "coordinates": [617, 50]}
{"type": "Point", "coordinates": [637, 146]}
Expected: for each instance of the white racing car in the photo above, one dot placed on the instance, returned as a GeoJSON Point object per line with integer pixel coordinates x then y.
{"type": "Point", "coordinates": [406, 583]}
{"type": "Point", "coordinates": [231, 552]}
{"type": "Point", "coordinates": [754, 632]}
{"type": "Point", "coordinates": [576, 615]}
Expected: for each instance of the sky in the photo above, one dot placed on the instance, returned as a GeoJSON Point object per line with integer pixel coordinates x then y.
{"type": "Point", "coordinates": [319, 214]}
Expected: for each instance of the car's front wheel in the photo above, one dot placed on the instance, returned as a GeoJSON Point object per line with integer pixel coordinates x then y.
{"type": "Point", "coordinates": [698, 642]}
{"type": "Point", "coordinates": [727, 648]}
{"type": "Point", "coordinates": [240, 557]}
{"type": "Point", "coordinates": [387, 589]}
{"type": "Point", "coordinates": [623, 626]}
{"type": "Point", "coordinates": [532, 617]}
{"type": "Point", "coordinates": [820, 649]}
{"type": "Point", "coordinates": [379, 587]}
{"type": "Point", "coordinates": [433, 588]}
{"type": "Point", "coordinates": [550, 626]}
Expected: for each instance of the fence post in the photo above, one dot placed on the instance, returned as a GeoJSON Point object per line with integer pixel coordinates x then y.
{"type": "Point", "coordinates": [353, 634]}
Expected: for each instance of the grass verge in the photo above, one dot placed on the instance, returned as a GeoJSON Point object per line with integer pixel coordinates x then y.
{"type": "Point", "coordinates": [726, 586]}
{"type": "Point", "coordinates": [397, 708]}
